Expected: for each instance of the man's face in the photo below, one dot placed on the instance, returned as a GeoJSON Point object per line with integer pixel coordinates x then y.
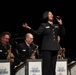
{"type": "Point", "coordinates": [5, 39]}
{"type": "Point", "coordinates": [29, 39]}
{"type": "Point", "coordinates": [58, 39]}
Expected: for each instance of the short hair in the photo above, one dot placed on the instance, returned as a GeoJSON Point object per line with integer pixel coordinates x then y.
{"type": "Point", "coordinates": [5, 33]}
{"type": "Point", "coordinates": [27, 34]}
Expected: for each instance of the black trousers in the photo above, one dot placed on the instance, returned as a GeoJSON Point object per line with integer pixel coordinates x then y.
{"type": "Point", "coordinates": [49, 62]}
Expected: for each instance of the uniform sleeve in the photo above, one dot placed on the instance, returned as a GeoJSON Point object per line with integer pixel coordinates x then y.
{"type": "Point", "coordinates": [61, 30]}
{"type": "Point", "coordinates": [39, 31]}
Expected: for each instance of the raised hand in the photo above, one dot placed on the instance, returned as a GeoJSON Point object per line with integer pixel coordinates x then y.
{"type": "Point", "coordinates": [58, 18]}
{"type": "Point", "coordinates": [25, 25]}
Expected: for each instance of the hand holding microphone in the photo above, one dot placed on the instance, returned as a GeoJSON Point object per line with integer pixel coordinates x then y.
{"type": "Point", "coordinates": [59, 19]}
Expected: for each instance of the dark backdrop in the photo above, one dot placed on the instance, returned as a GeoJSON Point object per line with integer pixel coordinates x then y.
{"type": "Point", "coordinates": [13, 14]}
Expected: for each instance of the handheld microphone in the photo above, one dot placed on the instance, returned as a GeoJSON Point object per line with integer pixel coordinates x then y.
{"type": "Point", "coordinates": [57, 17]}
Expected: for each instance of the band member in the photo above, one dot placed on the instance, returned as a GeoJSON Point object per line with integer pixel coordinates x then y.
{"type": "Point", "coordinates": [61, 52]}
{"type": "Point", "coordinates": [27, 49]}
{"type": "Point", "coordinates": [5, 50]}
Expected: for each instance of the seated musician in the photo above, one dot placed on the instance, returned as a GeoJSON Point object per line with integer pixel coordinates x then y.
{"type": "Point", "coordinates": [27, 49]}
{"type": "Point", "coordinates": [6, 50]}
{"type": "Point", "coordinates": [61, 52]}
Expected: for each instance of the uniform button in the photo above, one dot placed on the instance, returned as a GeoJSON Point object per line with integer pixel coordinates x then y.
{"type": "Point", "coordinates": [53, 35]}
{"type": "Point", "coordinates": [54, 39]}
{"type": "Point", "coordinates": [52, 29]}
{"type": "Point", "coordinates": [53, 32]}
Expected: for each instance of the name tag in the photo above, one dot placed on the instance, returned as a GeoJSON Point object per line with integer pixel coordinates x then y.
{"type": "Point", "coordinates": [47, 26]}
{"type": "Point", "coordinates": [56, 26]}
{"type": "Point", "coordinates": [0, 50]}
{"type": "Point", "coordinates": [24, 50]}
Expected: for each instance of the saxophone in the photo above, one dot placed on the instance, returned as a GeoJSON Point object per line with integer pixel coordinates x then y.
{"type": "Point", "coordinates": [34, 51]}
{"type": "Point", "coordinates": [61, 53]}
{"type": "Point", "coordinates": [9, 54]}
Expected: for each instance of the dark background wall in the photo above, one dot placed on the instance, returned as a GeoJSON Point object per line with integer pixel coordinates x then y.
{"type": "Point", "coordinates": [13, 14]}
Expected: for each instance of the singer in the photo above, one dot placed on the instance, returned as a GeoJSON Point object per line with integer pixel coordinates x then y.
{"type": "Point", "coordinates": [50, 45]}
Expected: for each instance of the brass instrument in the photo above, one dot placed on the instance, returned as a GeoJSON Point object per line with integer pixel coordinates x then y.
{"type": "Point", "coordinates": [9, 54]}
{"type": "Point", "coordinates": [34, 51]}
{"type": "Point", "coordinates": [61, 53]}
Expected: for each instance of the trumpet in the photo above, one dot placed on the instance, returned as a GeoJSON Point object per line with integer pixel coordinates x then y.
{"type": "Point", "coordinates": [9, 54]}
